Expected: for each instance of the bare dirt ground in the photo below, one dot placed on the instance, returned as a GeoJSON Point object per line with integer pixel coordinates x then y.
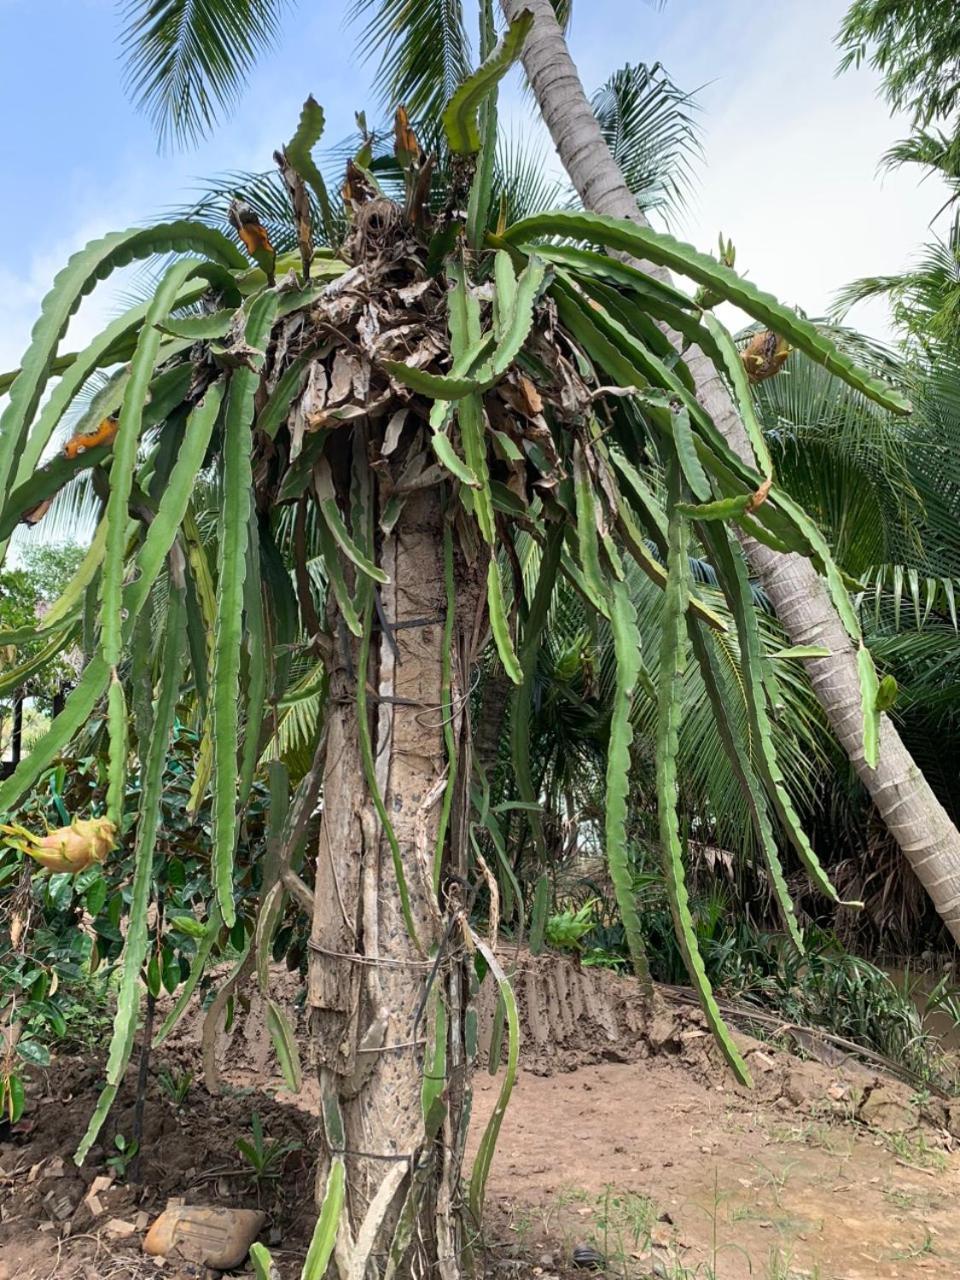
{"type": "Point", "coordinates": [625, 1131]}
{"type": "Point", "coordinates": [628, 1155]}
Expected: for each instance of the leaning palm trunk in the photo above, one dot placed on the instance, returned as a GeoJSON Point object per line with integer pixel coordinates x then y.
{"type": "Point", "coordinates": [904, 799]}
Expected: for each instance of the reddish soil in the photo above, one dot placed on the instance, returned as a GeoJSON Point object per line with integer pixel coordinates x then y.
{"type": "Point", "coordinates": [628, 1134]}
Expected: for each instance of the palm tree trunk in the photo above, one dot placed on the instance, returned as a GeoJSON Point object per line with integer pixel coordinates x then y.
{"type": "Point", "coordinates": [906, 802]}
{"type": "Point", "coordinates": [371, 991]}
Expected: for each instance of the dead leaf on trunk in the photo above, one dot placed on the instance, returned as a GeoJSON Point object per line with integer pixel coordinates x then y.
{"type": "Point", "coordinates": [297, 190]}
{"type": "Point", "coordinates": [412, 293]}
{"type": "Point", "coordinates": [391, 436]}
{"type": "Point", "coordinates": [341, 376]}
{"type": "Point", "coordinates": [309, 407]}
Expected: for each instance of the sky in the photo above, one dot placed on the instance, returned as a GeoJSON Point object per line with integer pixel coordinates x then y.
{"type": "Point", "coordinates": [790, 167]}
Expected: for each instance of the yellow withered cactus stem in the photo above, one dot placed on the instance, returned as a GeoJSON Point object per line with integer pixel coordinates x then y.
{"type": "Point", "coordinates": [764, 355]}
{"type": "Point", "coordinates": [71, 849]}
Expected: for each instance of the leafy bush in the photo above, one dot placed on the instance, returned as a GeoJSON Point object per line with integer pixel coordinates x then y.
{"type": "Point", "coordinates": [60, 934]}
{"type": "Point", "coordinates": [827, 987]}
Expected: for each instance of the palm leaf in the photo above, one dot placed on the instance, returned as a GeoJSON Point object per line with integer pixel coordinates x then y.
{"type": "Point", "coordinates": [423, 49]}
{"type": "Point", "coordinates": [189, 59]}
{"type": "Point", "coordinates": [650, 128]}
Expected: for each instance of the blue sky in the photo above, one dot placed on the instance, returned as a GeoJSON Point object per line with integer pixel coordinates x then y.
{"type": "Point", "coordinates": [791, 151]}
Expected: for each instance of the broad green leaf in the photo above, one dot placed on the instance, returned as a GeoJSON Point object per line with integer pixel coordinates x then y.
{"type": "Point", "coordinates": [869, 693]}
{"type": "Point", "coordinates": [285, 1046]}
{"type": "Point", "coordinates": [669, 711]}
{"type": "Point", "coordinates": [228, 631]}
{"type": "Point", "coordinates": [664, 250]}
{"type": "Point", "coordinates": [12, 1096]}
{"type": "Point", "coordinates": [262, 1260]}
{"type": "Point", "coordinates": [81, 274]}
{"type": "Point", "coordinates": [460, 122]}
{"type": "Point", "coordinates": [498, 622]}
{"type": "Point", "coordinates": [137, 938]}
{"type": "Point", "coordinates": [488, 1142]}
{"type": "Point", "coordinates": [328, 1223]}
{"type": "Point", "coordinates": [626, 644]}
{"type": "Point", "coordinates": [125, 456]}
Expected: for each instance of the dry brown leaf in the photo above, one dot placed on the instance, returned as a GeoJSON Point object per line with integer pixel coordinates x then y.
{"type": "Point", "coordinates": [758, 498]}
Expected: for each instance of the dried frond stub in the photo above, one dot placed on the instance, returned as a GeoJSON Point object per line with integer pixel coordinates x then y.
{"type": "Point", "coordinates": [250, 229]}
{"type": "Point", "coordinates": [764, 355]}
{"type": "Point", "coordinates": [36, 514]}
{"type": "Point", "coordinates": [357, 187]}
{"type": "Point", "coordinates": [406, 146]}
{"type": "Point", "coordinates": [759, 498]}
{"type": "Point", "coordinates": [67, 849]}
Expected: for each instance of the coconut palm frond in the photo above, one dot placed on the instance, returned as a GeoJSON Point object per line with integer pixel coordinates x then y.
{"type": "Point", "coordinates": [422, 47]}
{"type": "Point", "coordinates": [651, 128]}
{"type": "Point", "coordinates": [189, 59]}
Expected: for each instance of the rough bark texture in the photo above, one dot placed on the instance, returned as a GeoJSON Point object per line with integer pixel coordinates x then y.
{"type": "Point", "coordinates": [903, 797]}
{"type": "Point", "coordinates": [367, 977]}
